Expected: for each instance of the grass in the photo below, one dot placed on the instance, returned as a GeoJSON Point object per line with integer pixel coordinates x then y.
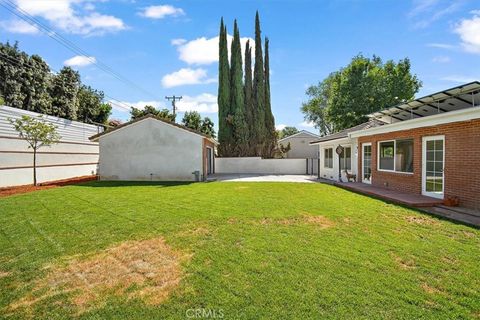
{"type": "Point", "coordinates": [256, 250]}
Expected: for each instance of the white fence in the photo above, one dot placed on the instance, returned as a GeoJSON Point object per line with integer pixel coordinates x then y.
{"type": "Point", "coordinates": [73, 156]}
{"type": "Point", "coordinates": [258, 165]}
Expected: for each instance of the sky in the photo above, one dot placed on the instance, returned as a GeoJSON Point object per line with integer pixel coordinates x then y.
{"type": "Point", "coordinates": [152, 49]}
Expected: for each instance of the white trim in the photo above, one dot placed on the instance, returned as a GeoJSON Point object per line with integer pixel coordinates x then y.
{"type": "Point", "coordinates": [128, 125]}
{"type": "Point", "coordinates": [442, 118]}
{"type": "Point", "coordinates": [324, 158]}
{"type": "Point", "coordinates": [299, 132]}
{"type": "Point", "coordinates": [378, 156]}
{"type": "Point", "coordinates": [363, 161]}
{"type": "Point", "coordinates": [351, 157]}
{"type": "Point", "coordinates": [394, 156]}
{"type": "Point", "coordinates": [424, 167]}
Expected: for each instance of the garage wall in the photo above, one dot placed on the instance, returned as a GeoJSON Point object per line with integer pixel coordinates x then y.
{"type": "Point", "coordinates": [258, 165]}
{"type": "Point", "coordinates": [73, 156]}
{"type": "Point", "coordinates": [150, 150]}
{"type": "Point", "coordinates": [300, 146]}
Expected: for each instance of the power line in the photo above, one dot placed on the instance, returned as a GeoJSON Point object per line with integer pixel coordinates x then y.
{"type": "Point", "coordinates": [11, 7]}
{"type": "Point", "coordinates": [20, 63]}
{"type": "Point", "coordinates": [174, 99]}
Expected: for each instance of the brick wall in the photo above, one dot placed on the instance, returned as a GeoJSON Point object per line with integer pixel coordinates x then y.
{"type": "Point", "coordinates": [462, 161]}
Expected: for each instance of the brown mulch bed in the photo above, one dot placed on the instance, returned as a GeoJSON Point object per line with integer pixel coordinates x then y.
{"type": "Point", "coordinates": [8, 191]}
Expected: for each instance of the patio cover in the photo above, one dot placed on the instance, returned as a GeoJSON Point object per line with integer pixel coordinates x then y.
{"type": "Point", "coordinates": [460, 97]}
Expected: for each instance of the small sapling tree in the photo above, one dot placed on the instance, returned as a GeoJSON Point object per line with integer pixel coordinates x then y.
{"type": "Point", "coordinates": [37, 133]}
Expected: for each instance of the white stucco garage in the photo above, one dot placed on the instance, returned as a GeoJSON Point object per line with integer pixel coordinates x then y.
{"type": "Point", "coordinates": [152, 149]}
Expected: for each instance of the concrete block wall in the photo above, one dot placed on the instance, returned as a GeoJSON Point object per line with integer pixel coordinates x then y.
{"type": "Point", "coordinates": [257, 165]}
{"type": "Point", "coordinates": [73, 156]}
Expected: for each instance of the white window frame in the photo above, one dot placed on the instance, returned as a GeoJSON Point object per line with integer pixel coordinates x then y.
{"type": "Point", "coordinates": [394, 156]}
{"type": "Point", "coordinates": [424, 167]}
{"type": "Point", "coordinates": [324, 158]}
{"type": "Point", "coordinates": [367, 144]}
{"type": "Point", "coordinates": [351, 156]}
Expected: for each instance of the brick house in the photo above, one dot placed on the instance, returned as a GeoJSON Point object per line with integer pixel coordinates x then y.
{"type": "Point", "coordinates": [428, 146]}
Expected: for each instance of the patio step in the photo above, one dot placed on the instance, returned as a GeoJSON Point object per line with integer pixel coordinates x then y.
{"type": "Point", "coordinates": [408, 199]}
{"type": "Point", "coordinates": [452, 214]}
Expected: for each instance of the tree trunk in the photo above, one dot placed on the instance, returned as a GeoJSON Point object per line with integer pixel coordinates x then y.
{"type": "Point", "coordinates": [34, 167]}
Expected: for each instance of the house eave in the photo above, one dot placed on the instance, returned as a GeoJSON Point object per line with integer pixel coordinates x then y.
{"type": "Point", "coordinates": [442, 118]}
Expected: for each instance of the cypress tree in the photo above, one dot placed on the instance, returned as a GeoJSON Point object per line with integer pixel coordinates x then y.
{"type": "Point", "coordinates": [225, 130]}
{"type": "Point", "coordinates": [259, 91]}
{"type": "Point", "coordinates": [249, 106]}
{"type": "Point", "coordinates": [240, 128]}
{"type": "Point", "coordinates": [270, 135]}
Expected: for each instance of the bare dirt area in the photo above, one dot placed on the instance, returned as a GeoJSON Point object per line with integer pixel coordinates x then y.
{"type": "Point", "coordinates": [321, 221]}
{"type": "Point", "coordinates": [9, 191]}
{"type": "Point", "coordinates": [148, 270]}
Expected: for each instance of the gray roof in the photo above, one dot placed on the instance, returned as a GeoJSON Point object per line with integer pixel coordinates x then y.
{"type": "Point", "coordinates": [344, 133]}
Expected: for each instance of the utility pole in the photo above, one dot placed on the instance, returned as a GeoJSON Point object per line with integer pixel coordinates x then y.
{"type": "Point", "coordinates": [174, 99]}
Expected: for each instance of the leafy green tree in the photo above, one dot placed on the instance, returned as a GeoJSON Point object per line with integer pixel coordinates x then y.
{"type": "Point", "coordinates": [225, 123]}
{"type": "Point", "coordinates": [249, 104]}
{"type": "Point", "coordinates": [240, 126]}
{"type": "Point", "coordinates": [259, 134]}
{"type": "Point", "coordinates": [365, 86]}
{"type": "Point", "coordinates": [270, 133]}
{"type": "Point", "coordinates": [91, 107]}
{"type": "Point", "coordinates": [207, 127]}
{"type": "Point", "coordinates": [165, 114]}
{"type": "Point", "coordinates": [287, 131]}
{"type": "Point", "coordinates": [315, 108]}
{"type": "Point", "coordinates": [12, 65]}
{"type": "Point", "coordinates": [37, 133]}
{"type": "Point", "coordinates": [192, 120]}
{"type": "Point", "coordinates": [36, 81]}
{"type": "Point", "coordinates": [64, 90]}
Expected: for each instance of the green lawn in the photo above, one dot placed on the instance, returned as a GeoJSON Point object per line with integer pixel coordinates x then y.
{"type": "Point", "coordinates": [253, 250]}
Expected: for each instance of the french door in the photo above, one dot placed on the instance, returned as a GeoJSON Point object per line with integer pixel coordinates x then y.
{"type": "Point", "coordinates": [367, 163]}
{"type": "Point", "coordinates": [433, 178]}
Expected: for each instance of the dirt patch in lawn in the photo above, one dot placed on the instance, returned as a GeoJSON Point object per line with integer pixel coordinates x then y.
{"type": "Point", "coordinates": [4, 274]}
{"type": "Point", "coordinates": [148, 270]}
{"type": "Point", "coordinates": [320, 221]}
{"type": "Point", "coordinates": [405, 264]}
{"type": "Point", "coordinates": [429, 289]}
{"type": "Point", "coordinates": [421, 220]}
{"type": "Point", "coordinates": [9, 191]}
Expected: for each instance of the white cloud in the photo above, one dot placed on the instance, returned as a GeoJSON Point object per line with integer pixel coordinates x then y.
{"type": "Point", "coordinates": [280, 126]}
{"type": "Point", "coordinates": [186, 76]}
{"type": "Point", "coordinates": [178, 42]}
{"type": "Point", "coordinates": [204, 51]}
{"type": "Point", "coordinates": [307, 124]}
{"type": "Point", "coordinates": [469, 32]}
{"type": "Point", "coordinates": [203, 103]}
{"type": "Point", "coordinates": [161, 11]}
{"type": "Point", "coordinates": [459, 78]}
{"type": "Point", "coordinates": [80, 61]}
{"type": "Point", "coordinates": [18, 26]}
{"type": "Point", "coordinates": [441, 59]}
{"type": "Point", "coordinates": [72, 16]}
{"type": "Point", "coordinates": [441, 45]}
{"type": "Point", "coordinates": [426, 12]}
